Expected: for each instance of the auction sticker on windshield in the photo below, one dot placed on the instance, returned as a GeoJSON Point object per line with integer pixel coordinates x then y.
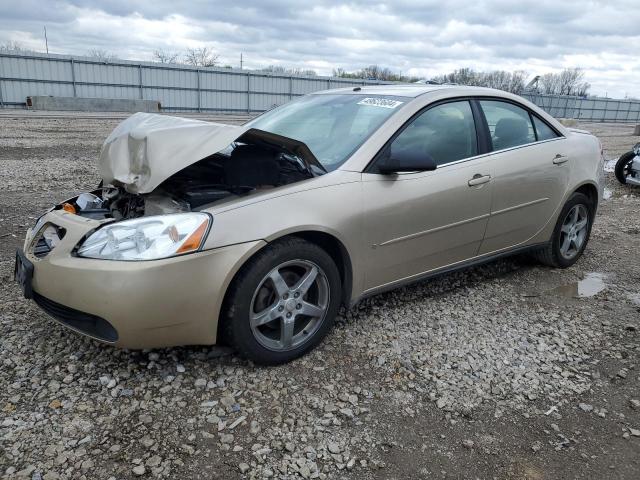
{"type": "Point", "coordinates": [380, 102]}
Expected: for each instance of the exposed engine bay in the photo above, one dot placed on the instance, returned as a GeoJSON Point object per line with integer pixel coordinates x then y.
{"type": "Point", "coordinates": [158, 164]}
{"type": "Point", "coordinates": [241, 169]}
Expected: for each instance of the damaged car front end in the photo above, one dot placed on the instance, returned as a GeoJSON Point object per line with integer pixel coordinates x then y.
{"type": "Point", "coordinates": [119, 263]}
{"type": "Point", "coordinates": [201, 231]}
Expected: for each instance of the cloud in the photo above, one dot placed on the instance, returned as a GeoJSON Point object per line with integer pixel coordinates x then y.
{"type": "Point", "coordinates": [423, 38]}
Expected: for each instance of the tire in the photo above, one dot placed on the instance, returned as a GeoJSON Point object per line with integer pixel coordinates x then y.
{"type": "Point", "coordinates": [254, 297]}
{"type": "Point", "coordinates": [621, 165]}
{"type": "Point", "coordinates": [553, 254]}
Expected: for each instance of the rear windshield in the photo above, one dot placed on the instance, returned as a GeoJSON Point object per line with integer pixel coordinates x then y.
{"type": "Point", "coordinates": [332, 126]}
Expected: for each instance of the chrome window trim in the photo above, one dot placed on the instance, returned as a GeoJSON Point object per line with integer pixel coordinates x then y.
{"type": "Point", "coordinates": [483, 155]}
{"type": "Point", "coordinates": [502, 151]}
{"type": "Point", "coordinates": [469, 98]}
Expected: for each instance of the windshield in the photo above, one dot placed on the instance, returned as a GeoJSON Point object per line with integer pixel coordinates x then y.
{"type": "Point", "coordinates": [332, 126]}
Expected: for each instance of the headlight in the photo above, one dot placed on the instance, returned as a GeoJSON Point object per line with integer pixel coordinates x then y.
{"type": "Point", "coordinates": [148, 238]}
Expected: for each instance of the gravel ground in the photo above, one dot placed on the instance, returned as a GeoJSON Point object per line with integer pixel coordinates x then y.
{"type": "Point", "coordinates": [495, 372]}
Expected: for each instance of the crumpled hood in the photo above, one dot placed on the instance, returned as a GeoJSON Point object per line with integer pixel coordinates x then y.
{"type": "Point", "coordinates": [146, 149]}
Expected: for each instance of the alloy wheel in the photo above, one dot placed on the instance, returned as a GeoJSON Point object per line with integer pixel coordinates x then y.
{"type": "Point", "coordinates": [289, 305]}
{"type": "Point", "coordinates": [573, 232]}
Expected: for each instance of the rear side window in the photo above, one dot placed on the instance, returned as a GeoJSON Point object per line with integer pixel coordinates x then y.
{"type": "Point", "coordinates": [446, 132]}
{"type": "Point", "coordinates": [509, 125]}
{"type": "Point", "coordinates": [544, 131]}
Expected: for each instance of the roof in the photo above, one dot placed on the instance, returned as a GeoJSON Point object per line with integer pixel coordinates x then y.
{"type": "Point", "coordinates": [394, 89]}
{"type": "Point", "coordinates": [409, 90]}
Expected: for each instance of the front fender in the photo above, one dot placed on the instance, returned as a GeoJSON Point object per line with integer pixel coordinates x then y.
{"type": "Point", "coordinates": [335, 210]}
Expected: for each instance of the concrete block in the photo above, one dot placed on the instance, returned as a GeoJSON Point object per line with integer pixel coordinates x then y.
{"type": "Point", "coordinates": [636, 130]}
{"type": "Point", "coordinates": [92, 104]}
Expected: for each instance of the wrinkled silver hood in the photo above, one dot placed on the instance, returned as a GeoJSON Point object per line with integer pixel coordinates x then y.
{"type": "Point", "coordinates": [146, 149]}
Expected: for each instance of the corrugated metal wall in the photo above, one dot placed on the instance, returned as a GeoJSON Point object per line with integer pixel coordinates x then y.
{"type": "Point", "coordinates": [176, 87]}
{"type": "Point", "coordinates": [182, 88]}
{"type": "Point", "coordinates": [588, 109]}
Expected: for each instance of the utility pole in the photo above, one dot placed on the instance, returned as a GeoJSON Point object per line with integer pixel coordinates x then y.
{"type": "Point", "coordinates": [240, 60]}
{"type": "Point", "coordinates": [46, 42]}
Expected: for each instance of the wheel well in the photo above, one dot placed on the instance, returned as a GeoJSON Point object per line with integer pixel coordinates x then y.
{"type": "Point", "coordinates": [329, 244]}
{"type": "Point", "coordinates": [338, 253]}
{"type": "Point", "coordinates": [591, 192]}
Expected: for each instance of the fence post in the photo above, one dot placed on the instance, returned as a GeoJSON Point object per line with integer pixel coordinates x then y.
{"type": "Point", "coordinates": [248, 92]}
{"type": "Point", "coordinates": [1, 100]}
{"type": "Point", "coordinates": [140, 80]}
{"type": "Point", "coordinates": [328, 84]}
{"type": "Point", "coordinates": [199, 91]}
{"type": "Point", "coordinates": [73, 77]}
{"type": "Point", "coordinates": [290, 88]}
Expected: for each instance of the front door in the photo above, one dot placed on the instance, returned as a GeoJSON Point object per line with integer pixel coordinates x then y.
{"type": "Point", "coordinates": [417, 222]}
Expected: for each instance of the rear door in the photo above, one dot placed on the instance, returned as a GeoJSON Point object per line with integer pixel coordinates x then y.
{"type": "Point", "coordinates": [417, 222]}
{"type": "Point", "coordinates": [530, 170]}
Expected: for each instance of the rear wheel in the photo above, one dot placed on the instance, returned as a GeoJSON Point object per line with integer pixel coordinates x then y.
{"type": "Point", "coordinates": [623, 166]}
{"type": "Point", "coordinates": [283, 302]}
{"type": "Point", "coordinates": [571, 233]}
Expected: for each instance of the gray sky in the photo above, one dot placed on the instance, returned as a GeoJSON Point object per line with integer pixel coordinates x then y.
{"type": "Point", "coordinates": [421, 38]}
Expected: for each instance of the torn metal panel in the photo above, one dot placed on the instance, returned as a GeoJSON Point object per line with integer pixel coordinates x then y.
{"type": "Point", "coordinates": [299, 149]}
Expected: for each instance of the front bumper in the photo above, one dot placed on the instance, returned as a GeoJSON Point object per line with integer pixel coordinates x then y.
{"type": "Point", "coordinates": [149, 304]}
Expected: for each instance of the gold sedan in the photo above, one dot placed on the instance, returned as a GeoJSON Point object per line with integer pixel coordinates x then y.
{"type": "Point", "coordinates": [254, 235]}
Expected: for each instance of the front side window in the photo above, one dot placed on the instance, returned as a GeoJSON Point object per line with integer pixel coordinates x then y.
{"type": "Point", "coordinates": [332, 126]}
{"type": "Point", "coordinates": [510, 126]}
{"type": "Point", "coordinates": [445, 132]}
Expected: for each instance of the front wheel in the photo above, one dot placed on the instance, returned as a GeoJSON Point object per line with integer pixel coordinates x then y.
{"type": "Point", "coordinates": [571, 233]}
{"type": "Point", "coordinates": [623, 167]}
{"type": "Point", "coordinates": [283, 302]}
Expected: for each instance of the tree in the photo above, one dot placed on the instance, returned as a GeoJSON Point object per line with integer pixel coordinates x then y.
{"type": "Point", "coordinates": [163, 56]}
{"type": "Point", "coordinates": [101, 54]}
{"type": "Point", "coordinates": [201, 57]}
{"type": "Point", "coordinates": [280, 70]}
{"type": "Point", "coordinates": [340, 72]}
{"type": "Point", "coordinates": [374, 72]}
{"type": "Point", "coordinates": [12, 47]}
{"type": "Point", "coordinates": [569, 81]}
{"type": "Point", "coordinates": [513, 82]}
{"type": "Point", "coordinates": [462, 76]}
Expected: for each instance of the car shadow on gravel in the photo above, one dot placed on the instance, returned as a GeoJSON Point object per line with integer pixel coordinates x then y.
{"type": "Point", "coordinates": [444, 284]}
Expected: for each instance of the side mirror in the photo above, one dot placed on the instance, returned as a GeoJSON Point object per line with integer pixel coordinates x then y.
{"type": "Point", "coordinates": [410, 160]}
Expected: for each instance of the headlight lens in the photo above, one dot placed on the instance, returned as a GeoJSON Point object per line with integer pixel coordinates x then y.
{"type": "Point", "coordinates": [148, 238]}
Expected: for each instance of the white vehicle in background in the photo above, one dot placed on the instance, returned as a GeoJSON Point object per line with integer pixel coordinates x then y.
{"type": "Point", "coordinates": [628, 167]}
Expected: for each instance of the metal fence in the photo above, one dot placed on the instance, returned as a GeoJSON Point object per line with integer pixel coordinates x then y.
{"type": "Point", "coordinates": [184, 88]}
{"type": "Point", "coordinates": [588, 109]}
{"type": "Point", "coordinates": [176, 87]}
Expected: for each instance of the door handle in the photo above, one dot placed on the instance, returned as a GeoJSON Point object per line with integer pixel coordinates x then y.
{"type": "Point", "coordinates": [478, 180]}
{"type": "Point", "coordinates": [560, 159]}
